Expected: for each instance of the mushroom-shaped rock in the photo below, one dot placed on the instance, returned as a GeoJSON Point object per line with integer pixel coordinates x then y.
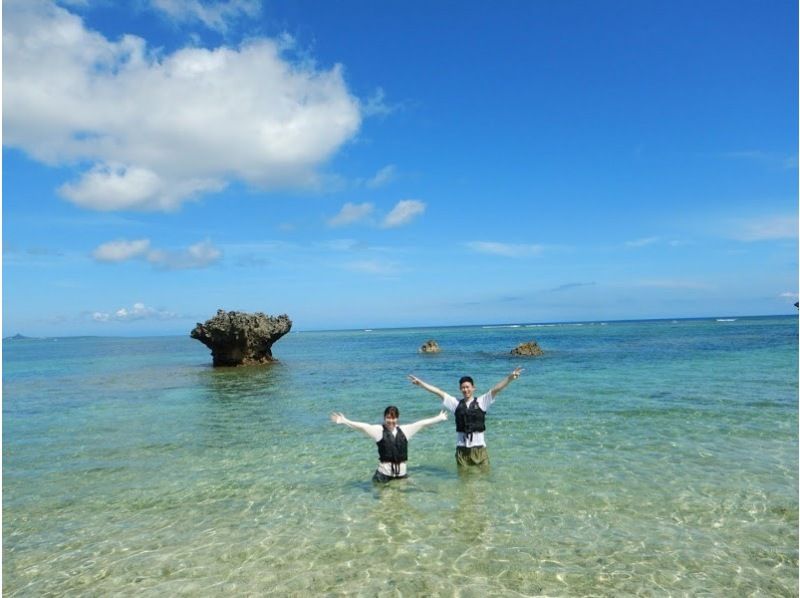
{"type": "Point", "coordinates": [238, 338]}
{"type": "Point", "coordinates": [430, 346]}
{"type": "Point", "coordinates": [531, 349]}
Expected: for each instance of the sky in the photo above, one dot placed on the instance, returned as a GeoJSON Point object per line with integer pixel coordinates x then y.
{"type": "Point", "coordinates": [389, 164]}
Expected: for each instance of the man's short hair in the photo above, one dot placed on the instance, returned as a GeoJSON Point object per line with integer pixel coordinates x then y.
{"type": "Point", "coordinates": [466, 379]}
{"type": "Point", "coordinates": [392, 411]}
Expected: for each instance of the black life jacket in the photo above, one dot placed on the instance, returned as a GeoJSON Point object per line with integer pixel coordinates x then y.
{"type": "Point", "coordinates": [470, 419]}
{"type": "Point", "coordinates": [393, 449]}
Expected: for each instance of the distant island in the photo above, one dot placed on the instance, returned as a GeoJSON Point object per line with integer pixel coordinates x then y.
{"type": "Point", "coordinates": [16, 337]}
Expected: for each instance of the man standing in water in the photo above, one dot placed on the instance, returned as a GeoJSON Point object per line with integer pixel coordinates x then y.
{"type": "Point", "coordinates": [470, 416]}
{"type": "Point", "coordinates": [392, 440]}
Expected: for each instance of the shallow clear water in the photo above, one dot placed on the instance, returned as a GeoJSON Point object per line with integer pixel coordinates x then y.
{"type": "Point", "coordinates": [648, 458]}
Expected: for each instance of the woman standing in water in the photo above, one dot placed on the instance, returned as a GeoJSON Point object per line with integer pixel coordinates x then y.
{"type": "Point", "coordinates": [392, 440]}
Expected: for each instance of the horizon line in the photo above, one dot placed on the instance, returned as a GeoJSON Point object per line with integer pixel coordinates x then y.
{"type": "Point", "coordinates": [20, 336]}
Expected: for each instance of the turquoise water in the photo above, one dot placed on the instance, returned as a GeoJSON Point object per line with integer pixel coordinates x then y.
{"type": "Point", "coordinates": [651, 458]}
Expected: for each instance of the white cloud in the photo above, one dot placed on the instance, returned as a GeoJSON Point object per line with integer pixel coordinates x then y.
{"type": "Point", "coordinates": [199, 255]}
{"type": "Point", "coordinates": [139, 311]}
{"type": "Point", "coordinates": [647, 241]}
{"type": "Point", "coordinates": [117, 187]}
{"type": "Point", "coordinates": [343, 244]}
{"type": "Point", "coordinates": [770, 159]}
{"type": "Point", "coordinates": [121, 250]}
{"type": "Point", "coordinates": [765, 228]}
{"type": "Point", "coordinates": [376, 104]}
{"type": "Point", "coordinates": [160, 129]}
{"type": "Point", "coordinates": [642, 242]}
{"type": "Point", "coordinates": [403, 213]}
{"type": "Point", "coordinates": [382, 177]}
{"type": "Point", "coordinates": [506, 249]}
{"type": "Point", "coordinates": [373, 266]}
{"type": "Point", "coordinates": [351, 213]}
{"type": "Point", "coordinates": [791, 295]}
{"type": "Point", "coordinates": [214, 15]}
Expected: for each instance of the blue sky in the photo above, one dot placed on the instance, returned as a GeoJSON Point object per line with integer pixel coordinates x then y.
{"type": "Point", "coordinates": [364, 165]}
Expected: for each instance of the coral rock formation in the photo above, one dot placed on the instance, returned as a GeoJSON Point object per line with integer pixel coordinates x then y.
{"type": "Point", "coordinates": [531, 349]}
{"type": "Point", "coordinates": [239, 338]}
{"type": "Point", "coordinates": [430, 346]}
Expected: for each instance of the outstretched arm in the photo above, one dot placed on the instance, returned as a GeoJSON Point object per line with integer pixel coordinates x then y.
{"type": "Point", "coordinates": [506, 381]}
{"type": "Point", "coordinates": [411, 429]}
{"type": "Point", "coordinates": [370, 430]}
{"type": "Point", "coordinates": [429, 387]}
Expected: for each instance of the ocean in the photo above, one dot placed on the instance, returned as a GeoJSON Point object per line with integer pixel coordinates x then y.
{"type": "Point", "coordinates": [646, 458]}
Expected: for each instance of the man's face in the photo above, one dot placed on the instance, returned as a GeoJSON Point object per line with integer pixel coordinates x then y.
{"type": "Point", "coordinates": [467, 389]}
{"type": "Point", "coordinates": [390, 421]}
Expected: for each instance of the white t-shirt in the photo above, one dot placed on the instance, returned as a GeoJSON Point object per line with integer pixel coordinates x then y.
{"type": "Point", "coordinates": [484, 402]}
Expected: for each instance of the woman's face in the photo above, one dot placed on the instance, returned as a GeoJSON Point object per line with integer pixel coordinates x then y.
{"type": "Point", "coordinates": [390, 421]}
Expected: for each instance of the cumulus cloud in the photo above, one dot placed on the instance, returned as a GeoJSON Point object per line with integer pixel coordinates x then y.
{"type": "Point", "coordinates": [403, 212]}
{"type": "Point", "coordinates": [199, 255]}
{"type": "Point", "coordinates": [215, 15]}
{"type": "Point", "coordinates": [121, 250]}
{"type": "Point", "coordinates": [139, 311]}
{"type": "Point", "coordinates": [351, 213]}
{"type": "Point", "coordinates": [506, 249]}
{"type": "Point", "coordinates": [118, 187]}
{"type": "Point", "coordinates": [159, 129]}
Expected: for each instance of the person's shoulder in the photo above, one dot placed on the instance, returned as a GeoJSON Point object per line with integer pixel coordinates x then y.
{"type": "Point", "coordinates": [449, 403]}
{"type": "Point", "coordinates": [486, 399]}
{"type": "Point", "coordinates": [449, 399]}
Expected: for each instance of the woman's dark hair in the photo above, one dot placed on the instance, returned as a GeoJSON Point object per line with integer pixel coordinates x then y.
{"type": "Point", "coordinates": [391, 410]}
{"type": "Point", "coordinates": [466, 379]}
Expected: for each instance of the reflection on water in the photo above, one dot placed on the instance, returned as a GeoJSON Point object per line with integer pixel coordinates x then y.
{"type": "Point", "coordinates": [471, 516]}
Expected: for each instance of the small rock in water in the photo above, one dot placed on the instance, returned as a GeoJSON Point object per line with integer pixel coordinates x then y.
{"type": "Point", "coordinates": [531, 349]}
{"type": "Point", "coordinates": [430, 346]}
